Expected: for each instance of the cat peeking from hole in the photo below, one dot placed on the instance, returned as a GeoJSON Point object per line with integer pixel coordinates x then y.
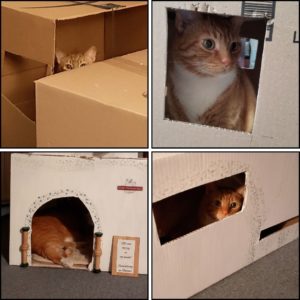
{"type": "Point", "coordinates": [204, 82]}
{"type": "Point", "coordinates": [219, 203]}
{"type": "Point", "coordinates": [67, 62]}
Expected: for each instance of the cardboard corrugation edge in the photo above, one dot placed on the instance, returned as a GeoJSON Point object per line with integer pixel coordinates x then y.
{"type": "Point", "coordinates": [24, 128]}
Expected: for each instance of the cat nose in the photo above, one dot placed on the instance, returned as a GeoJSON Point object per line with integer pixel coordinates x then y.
{"type": "Point", "coordinates": [226, 61]}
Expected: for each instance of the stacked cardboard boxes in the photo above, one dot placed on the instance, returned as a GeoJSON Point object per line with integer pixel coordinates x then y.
{"type": "Point", "coordinates": [32, 31]}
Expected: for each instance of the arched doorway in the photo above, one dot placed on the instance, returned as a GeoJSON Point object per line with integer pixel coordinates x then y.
{"type": "Point", "coordinates": [50, 224]}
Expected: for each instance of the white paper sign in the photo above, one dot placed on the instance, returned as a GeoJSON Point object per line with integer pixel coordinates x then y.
{"type": "Point", "coordinates": [125, 256]}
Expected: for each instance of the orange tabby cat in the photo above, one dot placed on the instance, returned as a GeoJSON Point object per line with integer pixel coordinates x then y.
{"type": "Point", "coordinates": [219, 203]}
{"type": "Point", "coordinates": [69, 62]}
{"type": "Point", "coordinates": [204, 83]}
{"type": "Point", "coordinates": [51, 239]}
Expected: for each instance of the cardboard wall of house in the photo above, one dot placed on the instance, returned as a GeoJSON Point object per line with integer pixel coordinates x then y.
{"type": "Point", "coordinates": [194, 260]}
{"type": "Point", "coordinates": [37, 179]}
{"type": "Point", "coordinates": [107, 101]}
{"type": "Point", "coordinates": [34, 29]}
{"type": "Point", "coordinates": [18, 100]}
{"type": "Point", "coordinates": [276, 122]}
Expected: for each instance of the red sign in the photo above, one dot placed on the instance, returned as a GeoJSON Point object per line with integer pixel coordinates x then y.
{"type": "Point", "coordinates": [129, 188]}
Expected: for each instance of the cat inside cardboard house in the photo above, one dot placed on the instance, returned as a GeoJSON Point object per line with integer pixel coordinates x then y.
{"type": "Point", "coordinates": [195, 208]}
{"type": "Point", "coordinates": [62, 234]}
{"type": "Point", "coordinates": [207, 81]}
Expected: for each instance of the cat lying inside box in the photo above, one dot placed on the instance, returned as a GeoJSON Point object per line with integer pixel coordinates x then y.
{"type": "Point", "coordinates": [204, 82]}
{"type": "Point", "coordinates": [62, 237]}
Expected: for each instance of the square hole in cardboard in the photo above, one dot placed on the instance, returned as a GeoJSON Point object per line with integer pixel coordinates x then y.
{"type": "Point", "coordinates": [213, 68]}
{"type": "Point", "coordinates": [182, 213]}
{"type": "Point", "coordinates": [62, 234]}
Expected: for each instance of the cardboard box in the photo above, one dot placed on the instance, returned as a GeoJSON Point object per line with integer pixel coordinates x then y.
{"type": "Point", "coordinates": [32, 30]}
{"type": "Point", "coordinates": [192, 262]}
{"type": "Point", "coordinates": [100, 105]}
{"type": "Point", "coordinates": [18, 100]}
{"type": "Point", "coordinates": [276, 122]}
{"type": "Point", "coordinates": [37, 179]}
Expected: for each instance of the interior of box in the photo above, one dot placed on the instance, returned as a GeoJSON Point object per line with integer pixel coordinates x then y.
{"type": "Point", "coordinates": [19, 74]}
{"type": "Point", "coordinates": [72, 214]}
{"type": "Point", "coordinates": [252, 37]}
{"type": "Point", "coordinates": [78, 35]}
{"type": "Point", "coordinates": [178, 215]}
{"type": "Point", "coordinates": [126, 31]}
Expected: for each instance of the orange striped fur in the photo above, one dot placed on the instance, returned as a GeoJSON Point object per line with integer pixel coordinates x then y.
{"type": "Point", "coordinates": [51, 239]}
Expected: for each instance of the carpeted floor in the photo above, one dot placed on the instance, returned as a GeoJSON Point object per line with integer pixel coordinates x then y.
{"type": "Point", "coordinates": [45, 283]}
{"type": "Point", "coordinates": [275, 276]}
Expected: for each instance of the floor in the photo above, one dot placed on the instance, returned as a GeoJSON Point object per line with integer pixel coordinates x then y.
{"type": "Point", "coordinates": [46, 283]}
{"type": "Point", "coordinates": [275, 276]}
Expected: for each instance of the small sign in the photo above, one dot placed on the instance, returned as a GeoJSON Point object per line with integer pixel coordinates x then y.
{"type": "Point", "coordinates": [129, 188]}
{"type": "Point", "coordinates": [125, 256]}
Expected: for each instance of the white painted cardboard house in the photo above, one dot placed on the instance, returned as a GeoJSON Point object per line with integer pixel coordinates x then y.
{"type": "Point", "coordinates": [276, 122]}
{"type": "Point", "coordinates": [37, 179]}
{"type": "Point", "coordinates": [192, 262]}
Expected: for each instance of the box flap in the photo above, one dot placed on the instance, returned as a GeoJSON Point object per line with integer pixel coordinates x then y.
{"type": "Point", "coordinates": [113, 82]}
{"type": "Point", "coordinates": [62, 10]}
{"type": "Point", "coordinates": [16, 124]}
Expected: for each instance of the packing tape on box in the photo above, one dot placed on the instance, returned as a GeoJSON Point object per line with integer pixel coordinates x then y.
{"type": "Point", "coordinates": [128, 65]}
{"type": "Point", "coordinates": [107, 6]}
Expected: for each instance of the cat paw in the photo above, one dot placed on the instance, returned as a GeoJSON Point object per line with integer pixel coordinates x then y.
{"type": "Point", "coordinates": [67, 262]}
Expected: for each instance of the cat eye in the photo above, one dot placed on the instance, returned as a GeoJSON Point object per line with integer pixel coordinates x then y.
{"type": "Point", "coordinates": [217, 203]}
{"type": "Point", "coordinates": [234, 47]}
{"type": "Point", "coordinates": [208, 44]}
{"type": "Point", "coordinates": [82, 65]}
{"type": "Point", "coordinates": [232, 205]}
{"type": "Point", "coordinates": [68, 66]}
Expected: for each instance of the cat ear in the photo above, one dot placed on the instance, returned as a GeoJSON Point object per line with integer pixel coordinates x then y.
{"type": "Point", "coordinates": [184, 18]}
{"type": "Point", "coordinates": [241, 190]}
{"type": "Point", "coordinates": [59, 55]}
{"type": "Point", "coordinates": [90, 54]}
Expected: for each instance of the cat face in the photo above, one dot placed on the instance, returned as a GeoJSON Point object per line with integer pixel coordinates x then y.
{"type": "Point", "coordinates": [221, 203]}
{"type": "Point", "coordinates": [74, 61]}
{"type": "Point", "coordinates": [207, 44]}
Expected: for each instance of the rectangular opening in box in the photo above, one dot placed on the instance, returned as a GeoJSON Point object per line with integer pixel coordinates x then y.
{"type": "Point", "coordinates": [278, 227]}
{"type": "Point", "coordinates": [200, 206]}
{"type": "Point", "coordinates": [213, 68]}
{"type": "Point", "coordinates": [19, 74]}
{"type": "Point", "coordinates": [62, 234]}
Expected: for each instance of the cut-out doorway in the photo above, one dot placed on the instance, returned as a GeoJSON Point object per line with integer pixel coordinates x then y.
{"type": "Point", "coordinates": [209, 70]}
{"type": "Point", "coordinates": [187, 211]}
{"type": "Point", "coordinates": [72, 214]}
